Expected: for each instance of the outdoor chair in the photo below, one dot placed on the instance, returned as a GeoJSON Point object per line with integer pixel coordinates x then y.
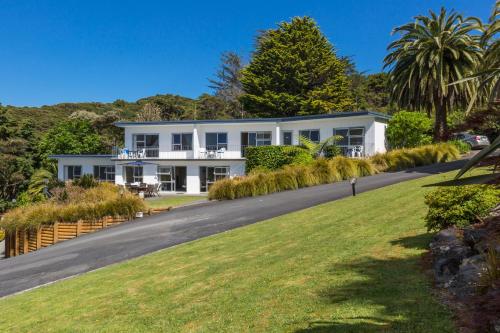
{"type": "Point", "coordinates": [220, 152]}
{"type": "Point", "coordinates": [203, 153]}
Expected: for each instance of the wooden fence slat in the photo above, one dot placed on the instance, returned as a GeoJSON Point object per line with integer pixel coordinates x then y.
{"type": "Point", "coordinates": [38, 238]}
{"type": "Point", "coordinates": [55, 235]}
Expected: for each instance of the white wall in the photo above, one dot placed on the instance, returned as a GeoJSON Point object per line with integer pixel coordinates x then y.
{"type": "Point", "coordinates": [374, 134]}
{"type": "Point", "coordinates": [87, 164]}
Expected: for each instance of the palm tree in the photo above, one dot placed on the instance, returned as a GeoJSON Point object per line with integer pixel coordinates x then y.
{"type": "Point", "coordinates": [433, 52]}
{"type": "Point", "coordinates": [318, 149]}
{"type": "Point", "coordinates": [488, 72]}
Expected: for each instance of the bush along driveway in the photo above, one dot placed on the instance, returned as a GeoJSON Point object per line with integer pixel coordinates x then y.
{"type": "Point", "coordinates": [351, 265]}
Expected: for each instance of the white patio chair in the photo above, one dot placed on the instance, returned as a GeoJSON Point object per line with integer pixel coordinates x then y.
{"type": "Point", "coordinates": [141, 153]}
{"type": "Point", "coordinates": [357, 151]}
{"type": "Point", "coordinates": [203, 152]}
{"type": "Point", "coordinates": [211, 154]}
{"type": "Point", "coordinates": [220, 152]}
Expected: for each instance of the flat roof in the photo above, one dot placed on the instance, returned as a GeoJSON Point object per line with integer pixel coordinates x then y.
{"type": "Point", "coordinates": [81, 155]}
{"type": "Point", "coordinates": [378, 115]}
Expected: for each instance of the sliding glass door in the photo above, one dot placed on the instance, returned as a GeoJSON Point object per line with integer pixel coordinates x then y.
{"type": "Point", "coordinates": [209, 175]}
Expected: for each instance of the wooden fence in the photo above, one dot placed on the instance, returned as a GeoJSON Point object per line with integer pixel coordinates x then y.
{"type": "Point", "coordinates": [24, 241]}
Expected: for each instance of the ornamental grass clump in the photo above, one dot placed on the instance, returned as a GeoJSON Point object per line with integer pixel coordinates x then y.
{"type": "Point", "coordinates": [325, 171]}
{"type": "Point", "coordinates": [92, 204]}
{"type": "Point", "coordinates": [365, 167]}
{"type": "Point", "coordinates": [345, 167]}
{"type": "Point", "coordinates": [400, 159]}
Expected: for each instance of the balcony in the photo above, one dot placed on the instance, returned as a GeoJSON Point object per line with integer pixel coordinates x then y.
{"type": "Point", "coordinates": [221, 151]}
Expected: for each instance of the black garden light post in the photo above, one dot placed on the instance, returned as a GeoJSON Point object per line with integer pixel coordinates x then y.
{"type": "Point", "coordinates": [353, 184]}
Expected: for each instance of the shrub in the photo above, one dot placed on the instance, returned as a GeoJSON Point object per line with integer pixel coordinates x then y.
{"type": "Point", "coordinates": [409, 129]}
{"type": "Point", "coordinates": [462, 147]}
{"type": "Point", "coordinates": [459, 205]}
{"type": "Point", "coordinates": [332, 151]}
{"type": "Point", "coordinates": [275, 157]}
{"type": "Point", "coordinates": [92, 204]}
{"type": "Point", "coordinates": [86, 181]}
{"type": "Point", "coordinates": [2, 235]}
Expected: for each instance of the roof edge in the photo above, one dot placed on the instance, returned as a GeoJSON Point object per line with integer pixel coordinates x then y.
{"type": "Point", "coordinates": [377, 115]}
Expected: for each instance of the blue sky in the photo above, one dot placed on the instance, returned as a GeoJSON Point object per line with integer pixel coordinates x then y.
{"type": "Point", "coordinates": [74, 51]}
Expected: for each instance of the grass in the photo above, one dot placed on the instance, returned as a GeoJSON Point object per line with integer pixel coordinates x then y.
{"type": "Point", "coordinates": [172, 201]}
{"type": "Point", "coordinates": [352, 265]}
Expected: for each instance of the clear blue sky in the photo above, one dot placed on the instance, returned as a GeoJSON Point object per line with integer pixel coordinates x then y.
{"type": "Point", "coordinates": [56, 51]}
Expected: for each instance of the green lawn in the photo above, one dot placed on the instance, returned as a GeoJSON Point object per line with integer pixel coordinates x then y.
{"type": "Point", "coordinates": [173, 200]}
{"type": "Point", "coordinates": [352, 265]}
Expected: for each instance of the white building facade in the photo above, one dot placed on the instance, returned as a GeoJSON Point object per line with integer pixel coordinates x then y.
{"type": "Point", "coordinates": [187, 156]}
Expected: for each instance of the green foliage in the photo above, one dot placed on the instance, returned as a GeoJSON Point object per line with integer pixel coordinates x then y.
{"type": "Point", "coordinates": [369, 92]}
{"type": "Point", "coordinates": [294, 71]}
{"type": "Point", "coordinates": [332, 151]}
{"type": "Point", "coordinates": [408, 129]}
{"type": "Point", "coordinates": [433, 52]}
{"type": "Point", "coordinates": [81, 204]}
{"type": "Point", "coordinates": [290, 177]}
{"type": "Point", "coordinates": [2, 235]}
{"type": "Point", "coordinates": [86, 181]}
{"type": "Point", "coordinates": [318, 149]}
{"type": "Point", "coordinates": [71, 137]}
{"type": "Point", "coordinates": [459, 205]}
{"type": "Point", "coordinates": [463, 147]}
{"type": "Point", "coordinates": [275, 157]}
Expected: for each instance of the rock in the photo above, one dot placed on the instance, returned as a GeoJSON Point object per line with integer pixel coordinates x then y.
{"type": "Point", "coordinates": [496, 326]}
{"type": "Point", "coordinates": [448, 251]}
{"type": "Point", "coordinates": [470, 271]}
{"type": "Point", "coordinates": [473, 236]}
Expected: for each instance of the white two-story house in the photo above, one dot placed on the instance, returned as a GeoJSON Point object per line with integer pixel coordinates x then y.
{"type": "Point", "coordinates": [189, 155]}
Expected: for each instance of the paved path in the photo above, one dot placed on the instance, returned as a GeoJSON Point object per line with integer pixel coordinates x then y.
{"type": "Point", "coordinates": [136, 238]}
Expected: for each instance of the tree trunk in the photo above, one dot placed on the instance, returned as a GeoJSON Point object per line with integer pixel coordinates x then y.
{"type": "Point", "coordinates": [440, 123]}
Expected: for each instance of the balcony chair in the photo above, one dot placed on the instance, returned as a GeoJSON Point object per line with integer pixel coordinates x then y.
{"type": "Point", "coordinates": [220, 152]}
{"type": "Point", "coordinates": [202, 152]}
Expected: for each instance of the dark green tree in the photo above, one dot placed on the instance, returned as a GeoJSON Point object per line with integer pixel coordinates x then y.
{"type": "Point", "coordinates": [294, 71]}
{"type": "Point", "coordinates": [71, 137]}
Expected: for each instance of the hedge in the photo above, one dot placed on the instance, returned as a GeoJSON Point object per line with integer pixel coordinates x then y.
{"type": "Point", "coordinates": [275, 157]}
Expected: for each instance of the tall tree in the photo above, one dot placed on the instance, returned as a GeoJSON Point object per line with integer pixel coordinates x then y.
{"type": "Point", "coordinates": [432, 52]}
{"type": "Point", "coordinates": [294, 71]}
{"type": "Point", "coordinates": [227, 83]}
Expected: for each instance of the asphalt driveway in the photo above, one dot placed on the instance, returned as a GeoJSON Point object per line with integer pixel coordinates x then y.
{"type": "Point", "coordinates": [139, 237]}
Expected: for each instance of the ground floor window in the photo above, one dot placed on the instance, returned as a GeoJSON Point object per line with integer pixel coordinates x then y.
{"type": "Point", "coordinates": [351, 137]}
{"type": "Point", "coordinates": [105, 173]}
{"type": "Point", "coordinates": [166, 178]}
{"type": "Point", "coordinates": [72, 172]}
{"type": "Point", "coordinates": [209, 175]}
{"type": "Point", "coordinates": [312, 135]}
{"type": "Point", "coordinates": [133, 174]}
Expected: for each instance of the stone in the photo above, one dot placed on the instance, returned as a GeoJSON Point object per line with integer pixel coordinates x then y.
{"type": "Point", "coordinates": [470, 271]}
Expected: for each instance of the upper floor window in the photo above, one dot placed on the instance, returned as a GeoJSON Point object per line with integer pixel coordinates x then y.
{"type": "Point", "coordinates": [182, 141]}
{"type": "Point", "coordinates": [287, 138]}
{"type": "Point", "coordinates": [353, 136]}
{"type": "Point", "coordinates": [312, 135]}
{"type": "Point", "coordinates": [150, 143]}
{"type": "Point", "coordinates": [255, 139]}
{"type": "Point", "coordinates": [72, 172]}
{"type": "Point", "coordinates": [104, 172]}
{"type": "Point", "coordinates": [216, 141]}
